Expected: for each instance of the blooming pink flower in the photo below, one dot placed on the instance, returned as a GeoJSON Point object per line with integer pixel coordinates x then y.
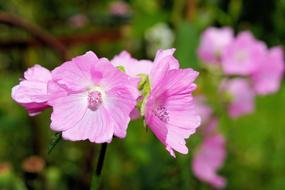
{"type": "Point", "coordinates": [243, 55]}
{"type": "Point", "coordinates": [242, 96]}
{"type": "Point", "coordinates": [95, 99]}
{"type": "Point", "coordinates": [169, 109]}
{"type": "Point", "coordinates": [213, 42]}
{"type": "Point", "coordinates": [132, 66]}
{"type": "Point", "coordinates": [267, 78]}
{"type": "Point", "coordinates": [209, 159]}
{"type": "Point", "coordinates": [31, 93]}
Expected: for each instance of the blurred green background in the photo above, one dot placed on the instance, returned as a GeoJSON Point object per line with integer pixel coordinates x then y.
{"type": "Point", "coordinates": [255, 143]}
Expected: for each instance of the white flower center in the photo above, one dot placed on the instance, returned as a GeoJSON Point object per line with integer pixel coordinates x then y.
{"type": "Point", "coordinates": [95, 98]}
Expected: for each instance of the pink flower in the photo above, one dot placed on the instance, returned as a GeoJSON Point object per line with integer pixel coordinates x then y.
{"type": "Point", "coordinates": [242, 97]}
{"type": "Point", "coordinates": [169, 109]}
{"type": "Point", "coordinates": [244, 55]}
{"type": "Point", "coordinates": [209, 159]}
{"type": "Point", "coordinates": [31, 93]}
{"type": "Point", "coordinates": [267, 78]}
{"type": "Point", "coordinates": [203, 109]}
{"type": "Point", "coordinates": [132, 66]}
{"type": "Point", "coordinates": [91, 99]}
{"type": "Point", "coordinates": [213, 43]}
{"type": "Point", "coordinates": [119, 8]}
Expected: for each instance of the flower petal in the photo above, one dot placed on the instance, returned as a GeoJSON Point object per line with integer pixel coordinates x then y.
{"type": "Point", "coordinates": [31, 93]}
{"type": "Point", "coordinates": [94, 125]}
{"type": "Point", "coordinates": [68, 111]}
{"type": "Point", "coordinates": [76, 74]}
{"type": "Point", "coordinates": [208, 159]}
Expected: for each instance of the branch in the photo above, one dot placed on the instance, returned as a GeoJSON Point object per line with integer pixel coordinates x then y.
{"type": "Point", "coordinates": [70, 40]}
{"type": "Point", "coordinates": [38, 33]}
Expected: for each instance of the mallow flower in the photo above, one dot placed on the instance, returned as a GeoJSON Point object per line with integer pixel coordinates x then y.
{"type": "Point", "coordinates": [32, 93]}
{"type": "Point", "coordinates": [243, 55]}
{"type": "Point", "coordinates": [91, 99]}
{"type": "Point", "coordinates": [213, 43]}
{"type": "Point", "coordinates": [132, 66]}
{"type": "Point", "coordinates": [210, 157]}
{"type": "Point", "coordinates": [241, 96]}
{"type": "Point", "coordinates": [169, 108]}
{"type": "Point", "coordinates": [267, 78]}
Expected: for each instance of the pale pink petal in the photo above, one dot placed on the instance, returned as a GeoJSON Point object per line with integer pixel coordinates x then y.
{"type": "Point", "coordinates": [209, 159]}
{"type": "Point", "coordinates": [122, 59]}
{"type": "Point", "coordinates": [120, 103]}
{"type": "Point", "coordinates": [244, 55]}
{"type": "Point", "coordinates": [268, 76]}
{"type": "Point", "coordinates": [75, 74]}
{"type": "Point", "coordinates": [140, 67]}
{"type": "Point", "coordinates": [37, 73]}
{"type": "Point", "coordinates": [204, 110]}
{"type": "Point", "coordinates": [55, 91]}
{"type": "Point", "coordinates": [68, 110]}
{"type": "Point", "coordinates": [211, 126]}
{"type": "Point", "coordinates": [174, 81]}
{"type": "Point", "coordinates": [31, 93]}
{"type": "Point", "coordinates": [170, 111]}
{"type": "Point", "coordinates": [112, 77]}
{"type": "Point", "coordinates": [213, 43]}
{"type": "Point", "coordinates": [157, 73]}
{"type": "Point", "coordinates": [242, 97]}
{"type": "Point", "coordinates": [132, 66]}
{"type": "Point", "coordinates": [166, 56]}
{"type": "Point", "coordinates": [164, 61]}
{"type": "Point", "coordinates": [93, 126]}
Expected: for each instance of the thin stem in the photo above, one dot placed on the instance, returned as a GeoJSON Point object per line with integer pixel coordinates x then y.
{"type": "Point", "coordinates": [98, 171]}
{"type": "Point", "coordinates": [54, 142]}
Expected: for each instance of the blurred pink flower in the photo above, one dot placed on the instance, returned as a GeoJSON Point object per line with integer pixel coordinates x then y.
{"type": "Point", "coordinates": [32, 93]}
{"type": "Point", "coordinates": [267, 78]}
{"type": "Point", "coordinates": [242, 96]}
{"type": "Point", "coordinates": [209, 159]}
{"type": "Point", "coordinates": [78, 21]}
{"type": "Point", "coordinates": [213, 43]}
{"type": "Point", "coordinates": [203, 109]}
{"type": "Point", "coordinates": [97, 101]}
{"type": "Point", "coordinates": [244, 55]}
{"type": "Point", "coordinates": [169, 111]}
{"type": "Point", "coordinates": [119, 8]}
{"type": "Point", "coordinates": [132, 66]}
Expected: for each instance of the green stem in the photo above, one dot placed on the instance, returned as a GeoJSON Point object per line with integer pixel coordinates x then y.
{"type": "Point", "coordinates": [96, 175]}
{"type": "Point", "coordinates": [54, 142]}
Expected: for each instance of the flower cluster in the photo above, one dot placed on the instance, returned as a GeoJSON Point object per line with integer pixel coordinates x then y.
{"type": "Point", "coordinates": [94, 99]}
{"type": "Point", "coordinates": [250, 67]}
{"type": "Point", "coordinates": [211, 153]}
{"type": "Point", "coordinates": [244, 68]}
